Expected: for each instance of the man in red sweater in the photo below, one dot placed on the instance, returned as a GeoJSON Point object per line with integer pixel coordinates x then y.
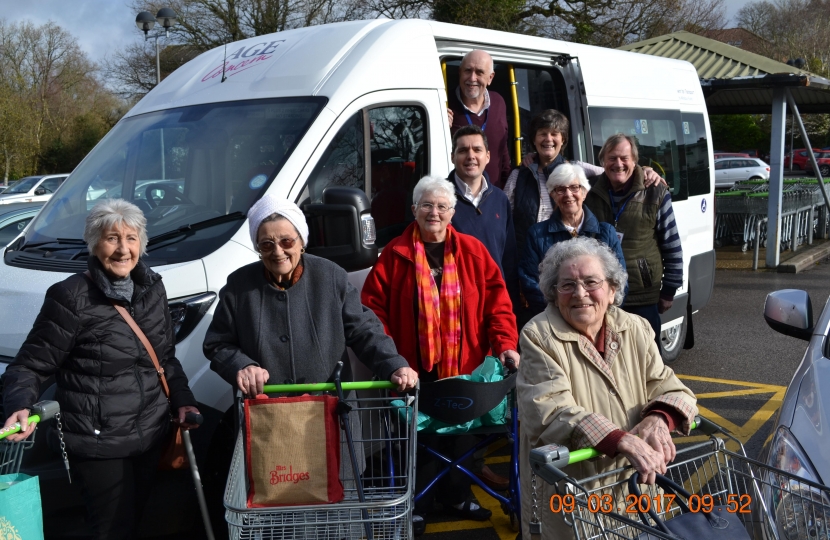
{"type": "Point", "coordinates": [472, 103]}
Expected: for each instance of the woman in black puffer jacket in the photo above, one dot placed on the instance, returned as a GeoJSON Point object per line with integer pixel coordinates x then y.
{"type": "Point", "coordinates": [114, 411]}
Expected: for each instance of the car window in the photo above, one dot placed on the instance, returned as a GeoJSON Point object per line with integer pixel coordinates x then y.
{"type": "Point", "coordinates": [10, 231]}
{"type": "Point", "coordinates": [23, 186]}
{"type": "Point", "coordinates": [399, 160]}
{"type": "Point", "coordinates": [720, 165]}
{"type": "Point", "coordinates": [51, 184]}
{"type": "Point", "coordinates": [343, 162]}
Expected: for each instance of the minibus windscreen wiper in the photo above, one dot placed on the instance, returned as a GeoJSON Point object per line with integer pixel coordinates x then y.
{"type": "Point", "coordinates": [190, 228]}
{"type": "Point", "coordinates": [69, 241]}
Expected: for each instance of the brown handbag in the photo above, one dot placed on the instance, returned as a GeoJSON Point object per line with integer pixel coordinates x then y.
{"type": "Point", "coordinates": [174, 455]}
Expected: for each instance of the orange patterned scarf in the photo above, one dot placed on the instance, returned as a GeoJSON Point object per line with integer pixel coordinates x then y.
{"type": "Point", "coordinates": [439, 315]}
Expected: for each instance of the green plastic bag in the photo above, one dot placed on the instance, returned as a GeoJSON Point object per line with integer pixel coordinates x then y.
{"type": "Point", "coordinates": [21, 517]}
{"type": "Point", "coordinates": [489, 371]}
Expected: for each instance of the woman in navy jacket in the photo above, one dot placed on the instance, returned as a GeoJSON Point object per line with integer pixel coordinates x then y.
{"type": "Point", "coordinates": [568, 187]}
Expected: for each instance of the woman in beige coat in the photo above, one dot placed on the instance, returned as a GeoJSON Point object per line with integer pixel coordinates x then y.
{"type": "Point", "coordinates": [592, 376]}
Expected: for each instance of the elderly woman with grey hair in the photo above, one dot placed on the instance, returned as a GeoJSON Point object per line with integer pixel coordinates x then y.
{"type": "Point", "coordinates": [568, 186]}
{"type": "Point", "coordinates": [592, 376]}
{"type": "Point", "coordinates": [442, 298]}
{"type": "Point", "coordinates": [115, 413]}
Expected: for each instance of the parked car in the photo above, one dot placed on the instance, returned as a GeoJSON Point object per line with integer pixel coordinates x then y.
{"type": "Point", "coordinates": [823, 160]}
{"type": "Point", "coordinates": [800, 442]}
{"type": "Point", "coordinates": [720, 155]}
{"type": "Point", "coordinates": [33, 189]}
{"type": "Point", "coordinates": [14, 218]}
{"type": "Point", "coordinates": [731, 170]}
{"type": "Point", "coordinates": [9, 186]}
{"type": "Point", "coordinates": [800, 160]}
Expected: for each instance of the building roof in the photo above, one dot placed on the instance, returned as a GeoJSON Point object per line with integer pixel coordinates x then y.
{"type": "Point", "coordinates": [712, 58]}
{"type": "Point", "coordinates": [738, 37]}
{"type": "Point", "coordinates": [736, 81]}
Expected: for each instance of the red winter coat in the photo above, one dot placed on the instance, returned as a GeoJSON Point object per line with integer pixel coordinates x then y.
{"type": "Point", "coordinates": [488, 325]}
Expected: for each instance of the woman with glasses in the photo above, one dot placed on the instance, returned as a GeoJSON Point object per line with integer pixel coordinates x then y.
{"type": "Point", "coordinates": [568, 187]}
{"type": "Point", "coordinates": [592, 376]}
{"type": "Point", "coordinates": [288, 318]}
{"type": "Point", "coordinates": [441, 297]}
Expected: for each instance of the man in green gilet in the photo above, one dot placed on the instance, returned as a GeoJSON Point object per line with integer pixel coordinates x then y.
{"type": "Point", "coordinates": [644, 220]}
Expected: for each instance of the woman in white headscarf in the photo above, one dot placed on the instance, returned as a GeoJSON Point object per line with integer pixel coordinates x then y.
{"type": "Point", "coordinates": [288, 318]}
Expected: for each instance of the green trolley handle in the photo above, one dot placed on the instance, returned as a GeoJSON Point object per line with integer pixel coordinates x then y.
{"type": "Point", "coordinates": [549, 460]}
{"type": "Point", "coordinates": [11, 430]}
{"type": "Point", "coordinates": [326, 387]}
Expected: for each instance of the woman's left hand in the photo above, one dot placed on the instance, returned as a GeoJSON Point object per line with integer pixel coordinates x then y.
{"type": "Point", "coordinates": [184, 410]}
{"type": "Point", "coordinates": [654, 432]}
{"type": "Point", "coordinates": [510, 357]}
{"type": "Point", "coordinates": [405, 378]}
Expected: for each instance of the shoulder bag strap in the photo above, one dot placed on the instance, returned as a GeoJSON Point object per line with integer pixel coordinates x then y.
{"type": "Point", "coordinates": [143, 339]}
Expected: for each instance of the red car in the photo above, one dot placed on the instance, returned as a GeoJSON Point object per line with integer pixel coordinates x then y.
{"type": "Point", "coordinates": [823, 160]}
{"type": "Point", "coordinates": [801, 159]}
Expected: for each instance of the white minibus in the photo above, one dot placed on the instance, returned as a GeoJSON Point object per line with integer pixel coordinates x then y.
{"type": "Point", "coordinates": [357, 105]}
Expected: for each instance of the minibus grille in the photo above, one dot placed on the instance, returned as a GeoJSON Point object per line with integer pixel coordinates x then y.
{"type": "Point", "coordinates": [36, 261]}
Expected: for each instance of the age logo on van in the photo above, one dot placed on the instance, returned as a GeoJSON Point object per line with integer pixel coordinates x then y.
{"type": "Point", "coordinates": [244, 58]}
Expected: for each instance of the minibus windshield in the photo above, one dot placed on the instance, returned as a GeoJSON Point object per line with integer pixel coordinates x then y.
{"type": "Point", "coordinates": [202, 165]}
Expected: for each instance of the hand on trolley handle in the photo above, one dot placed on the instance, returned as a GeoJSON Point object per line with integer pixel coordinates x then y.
{"type": "Point", "coordinates": [20, 425]}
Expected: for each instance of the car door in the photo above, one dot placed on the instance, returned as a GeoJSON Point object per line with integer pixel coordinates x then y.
{"type": "Point", "coordinates": [722, 174]}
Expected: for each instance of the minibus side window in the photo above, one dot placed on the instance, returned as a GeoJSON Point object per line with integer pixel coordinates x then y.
{"type": "Point", "coordinates": [657, 133]}
{"type": "Point", "coordinates": [397, 142]}
{"type": "Point", "coordinates": [342, 163]}
{"type": "Point", "coordinates": [696, 152]}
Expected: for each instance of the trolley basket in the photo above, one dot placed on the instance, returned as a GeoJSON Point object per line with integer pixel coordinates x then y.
{"type": "Point", "coordinates": [377, 502]}
{"type": "Point", "coordinates": [770, 503]}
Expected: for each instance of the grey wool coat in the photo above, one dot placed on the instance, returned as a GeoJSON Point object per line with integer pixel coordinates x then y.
{"type": "Point", "coordinates": [299, 334]}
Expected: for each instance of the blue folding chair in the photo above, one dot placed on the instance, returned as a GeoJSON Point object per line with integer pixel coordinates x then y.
{"type": "Point", "coordinates": [457, 401]}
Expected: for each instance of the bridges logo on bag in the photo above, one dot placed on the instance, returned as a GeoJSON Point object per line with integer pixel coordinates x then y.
{"type": "Point", "coordinates": [280, 475]}
{"type": "Point", "coordinates": [292, 451]}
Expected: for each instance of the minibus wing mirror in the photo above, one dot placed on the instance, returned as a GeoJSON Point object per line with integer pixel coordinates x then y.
{"type": "Point", "coordinates": [341, 228]}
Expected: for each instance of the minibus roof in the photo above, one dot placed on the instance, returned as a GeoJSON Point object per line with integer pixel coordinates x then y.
{"type": "Point", "coordinates": [340, 61]}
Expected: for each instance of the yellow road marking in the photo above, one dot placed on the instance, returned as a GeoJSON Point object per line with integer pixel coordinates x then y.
{"type": "Point", "coordinates": [748, 392]}
{"type": "Point", "coordinates": [729, 381]}
{"type": "Point", "coordinates": [499, 520]}
{"type": "Point", "coordinates": [450, 526]}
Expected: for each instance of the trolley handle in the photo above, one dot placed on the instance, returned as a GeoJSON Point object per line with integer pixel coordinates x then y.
{"type": "Point", "coordinates": [327, 387]}
{"type": "Point", "coordinates": [42, 411]}
{"type": "Point", "coordinates": [549, 460]}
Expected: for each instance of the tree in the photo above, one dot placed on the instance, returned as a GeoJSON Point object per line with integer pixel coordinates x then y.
{"type": "Point", "coordinates": [736, 132]}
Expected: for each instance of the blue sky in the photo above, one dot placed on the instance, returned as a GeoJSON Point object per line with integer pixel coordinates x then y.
{"type": "Point", "coordinates": [103, 25]}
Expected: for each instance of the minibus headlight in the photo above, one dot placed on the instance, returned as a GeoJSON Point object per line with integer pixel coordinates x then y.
{"type": "Point", "coordinates": [367, 229]}
{"type": "Point", "coordinates": [185, 313]}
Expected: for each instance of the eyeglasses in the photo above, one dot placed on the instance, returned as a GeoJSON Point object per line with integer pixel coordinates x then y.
{"type": "Point", "coordinates": [441, 208]}
{"type": "Point", "coordinates": [267, 246]}
{"type": "Point", "coordinates": [569, 287]}
{"type": "Point", "coordinates": [560, 190]}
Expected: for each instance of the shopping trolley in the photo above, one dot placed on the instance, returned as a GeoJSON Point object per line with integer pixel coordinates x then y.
{"type": "Point", "coordinates": [770, 503]}
{"type": "Point", "coordinates": [377, 503]}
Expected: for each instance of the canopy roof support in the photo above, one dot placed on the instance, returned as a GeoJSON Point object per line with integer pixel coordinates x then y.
{"type": "Point", "coordinates": [776, 175]}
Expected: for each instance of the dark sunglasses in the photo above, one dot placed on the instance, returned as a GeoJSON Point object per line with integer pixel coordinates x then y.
{"type": "Point", "coordinates": [267, 246]}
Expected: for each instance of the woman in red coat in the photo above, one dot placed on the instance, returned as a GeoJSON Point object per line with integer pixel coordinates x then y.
{"type": "Point", "coordinates": [442, 299]}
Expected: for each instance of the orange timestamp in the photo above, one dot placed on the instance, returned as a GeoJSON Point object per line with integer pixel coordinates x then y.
{"type": "Point", "coordinates": [604, 503]}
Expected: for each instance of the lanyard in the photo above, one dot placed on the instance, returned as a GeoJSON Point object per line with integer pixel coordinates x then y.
{"type": "Point", "coordinates": [614, 206]}
{"type": "Point", "coordinates": [470, 120]}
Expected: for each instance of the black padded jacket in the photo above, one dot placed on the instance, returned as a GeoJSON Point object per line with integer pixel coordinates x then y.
{"type": "Point", "coordinates": [111, 399]}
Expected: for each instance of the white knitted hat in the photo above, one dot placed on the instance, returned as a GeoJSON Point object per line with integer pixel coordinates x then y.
{"type": "Point", "coordinates": [269, 205]}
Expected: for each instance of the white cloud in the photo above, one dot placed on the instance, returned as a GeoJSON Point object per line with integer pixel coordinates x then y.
{"type": "Point", "coordinates": [100, 26]}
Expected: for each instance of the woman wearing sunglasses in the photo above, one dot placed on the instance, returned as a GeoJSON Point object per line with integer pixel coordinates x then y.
{"type": "Point", "coordinates": [288, 318]}
{"type": "Point", "coordinates": [568, 187]}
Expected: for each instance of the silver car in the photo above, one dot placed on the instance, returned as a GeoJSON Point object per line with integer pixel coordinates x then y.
{"type": "Point", "coordinates": [800, 442]}
{"type": "Point", "coordinates": [728, 171]}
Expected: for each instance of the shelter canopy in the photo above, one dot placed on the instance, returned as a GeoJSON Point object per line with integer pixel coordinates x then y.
{"type": "Point", "coordinates": [736, 81]}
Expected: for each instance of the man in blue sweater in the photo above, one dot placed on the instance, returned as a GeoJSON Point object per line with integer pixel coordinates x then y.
{"type": "Point", "coordinates": [483, 210]}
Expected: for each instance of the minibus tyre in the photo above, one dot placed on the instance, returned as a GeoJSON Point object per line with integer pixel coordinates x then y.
{"type": "Point", "coordinates": [671, 342]}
